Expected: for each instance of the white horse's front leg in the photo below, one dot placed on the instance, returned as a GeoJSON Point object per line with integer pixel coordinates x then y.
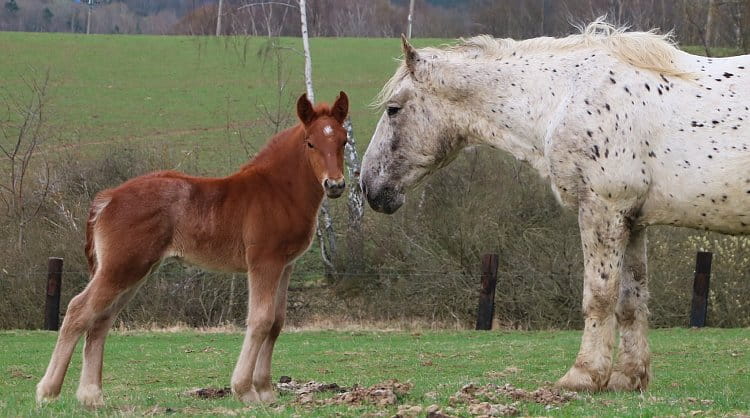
{"type": "Point", "coordinates": [633, 371]}
{"type": "Point", "coordinates": [604, 236]}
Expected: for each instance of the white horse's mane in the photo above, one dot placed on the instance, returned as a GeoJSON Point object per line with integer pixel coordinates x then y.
{"type": "Point", "coordinates": [647, 50]}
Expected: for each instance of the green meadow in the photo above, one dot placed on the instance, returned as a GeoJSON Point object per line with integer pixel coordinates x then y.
{"type": "Point", "coordinates": [203, 96]}
{"type": "Point", "coordinates": [695, 371]}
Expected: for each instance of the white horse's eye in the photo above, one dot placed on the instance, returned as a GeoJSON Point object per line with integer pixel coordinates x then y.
{"type": "Point", "coordinates": [393, 110]}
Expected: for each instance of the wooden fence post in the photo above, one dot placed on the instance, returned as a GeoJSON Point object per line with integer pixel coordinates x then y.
{"type": "Point", "coordinates": [699, 307]}
{"type": "Point", "coordinates": [54, 284]}
{"type": "Point", "coordinates": [487, 292]}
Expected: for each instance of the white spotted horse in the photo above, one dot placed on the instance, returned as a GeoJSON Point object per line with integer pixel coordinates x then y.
{"type": "Point", "coordinates": [629, 130]}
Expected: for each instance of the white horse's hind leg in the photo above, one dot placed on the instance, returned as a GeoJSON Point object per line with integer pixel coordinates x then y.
{"type": "Point", "coordinates": [632, 371]}
{"type": "Point", "coordinates": [604, 237]}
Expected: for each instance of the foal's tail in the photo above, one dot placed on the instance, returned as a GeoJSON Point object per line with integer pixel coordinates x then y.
{"type": "Point", "coordinates": [99, 203]}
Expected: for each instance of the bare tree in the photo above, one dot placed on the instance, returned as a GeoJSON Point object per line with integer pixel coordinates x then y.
{"type": "Point", "coordinates": [355, 203]}
{"type": "Point", "coordinates": [325, 233]}
{"type": "Point", "coordinates": [218, 17]}
{"type": "Point", "coordinates": [689, 11]}
{"type": "Point", "coordinates": [23, 132]}
{"type": "Point", "coordinates": [410, 19]}
{"type": "Point", "coordinates": [713, 11]}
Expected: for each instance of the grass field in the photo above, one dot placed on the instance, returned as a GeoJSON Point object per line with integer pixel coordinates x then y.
{"type": "Point", "coordinates": [704, 371]}
{"type": "Point", "coordinates": [194, 93]}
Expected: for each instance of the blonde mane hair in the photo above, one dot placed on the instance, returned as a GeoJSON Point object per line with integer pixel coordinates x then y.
{"type": "Point", "coordinates": [647, 50]}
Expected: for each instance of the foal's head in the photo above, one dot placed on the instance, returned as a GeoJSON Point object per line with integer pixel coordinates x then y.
{"type": "Point", "coordinates": [416, 134]}
{"type": "Point", "coordinates": [325, 139]}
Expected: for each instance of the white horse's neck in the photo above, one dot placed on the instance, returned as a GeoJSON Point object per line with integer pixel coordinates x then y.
{"type": "Point", "coordinates": [513, 101]}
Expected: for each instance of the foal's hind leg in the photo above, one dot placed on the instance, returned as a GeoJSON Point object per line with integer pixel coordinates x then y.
{"type": "Point", "coordinates": [604, 237]}
{"type": "Point", "coordinates": [88, 311]}
{"type": "Point", "coordinates": [632, 371]}
{"type": "Point", "coordinates": [74, 324]}
{"type": "Point", "coordinates": [263, 283]}
{"type": "Point", "coordinates": [262, 374]}
{"type": "Point", "coordinates": [89, 391]}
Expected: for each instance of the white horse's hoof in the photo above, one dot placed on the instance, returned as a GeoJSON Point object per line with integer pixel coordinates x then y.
{"type": "Point", "coordinates": [578, 379]}
{"type": "Point", "coordinates": [621, 382]}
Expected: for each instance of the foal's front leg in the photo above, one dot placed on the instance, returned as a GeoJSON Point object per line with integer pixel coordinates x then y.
{"type": "Point", "coordinates": [263, 283]}
{"type": "Point", "coordinates": [632, 370]}
{"type": "Point", "coordinates": [604, 236]}
{"type": "Point", "coordinates": [262, 374]}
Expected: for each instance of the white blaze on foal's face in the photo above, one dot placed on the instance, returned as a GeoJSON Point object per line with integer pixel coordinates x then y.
{"type": "Point", "coordinates": [327, 130]}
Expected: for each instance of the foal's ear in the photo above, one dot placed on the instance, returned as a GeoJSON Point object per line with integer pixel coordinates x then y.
{"type": "Point", "coordinates": [341, 108]}
{"type": "Point", "coordinates": [410, 54]}
{"type": "Point", "coordinates": [305, 110]}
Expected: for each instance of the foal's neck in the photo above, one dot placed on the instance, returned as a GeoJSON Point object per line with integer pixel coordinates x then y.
{"type": "Point", "coordinates": [284, 163]}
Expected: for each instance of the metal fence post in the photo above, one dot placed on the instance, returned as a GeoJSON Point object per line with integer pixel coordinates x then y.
{"type": "Point", "coordinates": [52, 303]}
{"type": "Point", "coordinates": [699, 306]}
{"type": "Point", "coordinates": [487, 292]}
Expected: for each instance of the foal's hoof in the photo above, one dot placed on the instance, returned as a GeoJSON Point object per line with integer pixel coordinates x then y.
{"type": "Point", "coordinates": [45, 394]}
{"type": "Point", "coordinates": [621, 382]}
{"type": "Point", "coordinates": [90, 396]}
{"type": "Point", "coordinates": [577, 380]}
{"type": "Point", "coordinates": [267, 396]}
{"type": "Point", "coordinates": [251, 396]}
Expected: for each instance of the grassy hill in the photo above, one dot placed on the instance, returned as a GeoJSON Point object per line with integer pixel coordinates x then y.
{"type": "Point", "coordinates": [193, 93]}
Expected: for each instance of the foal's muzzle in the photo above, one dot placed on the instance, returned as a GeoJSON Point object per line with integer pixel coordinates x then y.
{"type": "Point", "coordinates": [334, 188]}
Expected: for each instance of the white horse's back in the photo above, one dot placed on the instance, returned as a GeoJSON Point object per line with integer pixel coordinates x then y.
{"type": "Point", "coordinates": [700, 168]}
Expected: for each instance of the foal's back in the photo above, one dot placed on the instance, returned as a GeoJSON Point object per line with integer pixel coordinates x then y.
{"type": "Point", "coordinates": [167, 213]}
{"type": "Point", "coordinates": [206, 221]}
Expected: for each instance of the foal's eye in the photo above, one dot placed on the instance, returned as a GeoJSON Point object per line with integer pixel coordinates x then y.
{"type": "Point", "coordinates": [393, 110]}
{"type": "Point", "coordinates": [309, 144]}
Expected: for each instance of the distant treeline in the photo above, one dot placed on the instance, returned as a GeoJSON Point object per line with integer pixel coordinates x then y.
{"type": "Point", "coordinates": [696, 22]}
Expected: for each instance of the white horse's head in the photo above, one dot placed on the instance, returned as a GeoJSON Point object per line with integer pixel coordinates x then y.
{"type": "Point", "coordinates": [417, 133]}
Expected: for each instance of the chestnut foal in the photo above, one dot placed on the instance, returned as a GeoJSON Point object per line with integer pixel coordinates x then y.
{"type": "Point", "coordinates": [258, 220]}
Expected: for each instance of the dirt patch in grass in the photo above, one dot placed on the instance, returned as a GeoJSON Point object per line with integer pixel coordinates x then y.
{"type": "Point", "coordinates": [209, 393]}
{"type": "Point", "coordinates": [381, 394]}
{"type": "Point", "coordinates": [490, 399]}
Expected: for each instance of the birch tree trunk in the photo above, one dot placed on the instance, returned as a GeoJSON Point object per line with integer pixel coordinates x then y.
{"type": "Point", "coordinates": [710, 23]}
{"type": "Point", "coordinates": [355, 203]}
{"type": "Point", "coordinates": [410, 19]}
{"type": "Point", "coordinates": [88, 18]}
{"type": "Point", "coordinates": [306, 47]}
{"type": "Point", "coordinates": [324, 230]}
{"type": "Point", "coordinates": [218, 18]}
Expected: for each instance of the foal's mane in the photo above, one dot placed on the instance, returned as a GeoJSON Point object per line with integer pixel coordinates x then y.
{"type": "Point", "coordinates": [646, 50]}
{"type": "Point", "coordinates": [281, 140]}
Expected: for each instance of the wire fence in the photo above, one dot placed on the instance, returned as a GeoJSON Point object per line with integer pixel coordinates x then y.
{"type": "Point", "coordinates": [525, 299]}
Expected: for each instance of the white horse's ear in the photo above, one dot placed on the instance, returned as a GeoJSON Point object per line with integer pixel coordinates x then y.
{"type": "Point", "coordinates": [410, 54]}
